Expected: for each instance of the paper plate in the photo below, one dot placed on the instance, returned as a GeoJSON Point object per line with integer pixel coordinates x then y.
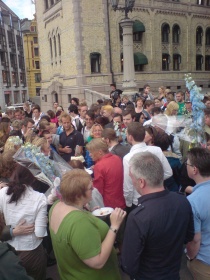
{"type": "Point", "coordinates": [104, 211]}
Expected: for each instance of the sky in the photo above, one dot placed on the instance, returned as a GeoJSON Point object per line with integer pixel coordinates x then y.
{"type": "Point", "coordinates": [22, 8]}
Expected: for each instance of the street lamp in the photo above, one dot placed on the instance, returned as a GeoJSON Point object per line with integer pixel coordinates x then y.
{"type": "Point", "coordinates": [129, 4]}
{"type": "Point", "coordinates": [129, 82]}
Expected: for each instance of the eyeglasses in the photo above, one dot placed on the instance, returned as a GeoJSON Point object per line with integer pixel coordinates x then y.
{"type": "Point", "coordinates": [188, 164]}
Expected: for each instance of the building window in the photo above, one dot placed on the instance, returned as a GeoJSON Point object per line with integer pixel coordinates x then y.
{"type": "Point", "coordinates": [207, 2]}
{"type": "Point", "coordinates": [45, 98]}
{"type": "Point", "coordinates": [199, 34]}
{"type": "Point", "coordinates": [19, 42]}
{"type": "Point", "coordinates": [15, 80]}
{"type": "Point", "coordinates": [37, 66]}
{"type": "Point", "coordinates": [36, 51]}
{"type": "Point", "coordinates": [35, 39]}
{"type": "Point", "coordinates": [23, 79]}
{"type": "Point", "coordinates": [13, 60]}
{"type": "Point", "coordinates": [69, 98]}
{"type": "Point", "coordinates": [121, 33]}
{"type": "Point", "coordinates": [33, 28]}
{"type": "Point", "coordinates": [176, 62]}
{"type": "Point", "coordinates": [121, 61]}
{"type": "Point", "coordinates": [38, 91]}
{"type": "Point", "coordinates": [165, 62]}
{"type": "Point", "coordinates": [138, 29]}
{"type": "Point", "coordinates": [55, 47]}
{"type": "Point", "coordinates": [207, 63]}
{"type": "Point", "coordinates": [37, 77]}
{"type": "Point", "coordinates": [199, 62]}
{"type": "Point", "coordinates": [165, 30]}
{"type": "Point", "coordinates": [200, 2]}
{"type": "Point", "coordinates": [59, 45]}
{"type": "Point", "coordinates": [139, 61]}
{"type": "Point", "coordinates": [95, 62]}
{"type": "Point", "coordinates": [11, 39]}
{"type": "Point", "coordinates": [51, 2]}
{"type": "Point", "coordinates": [6, 78]}
{"type": "Point", "coordinates": [21, 62]}
{"type": "Point", "coordinates": [46, 4]}
{"type": "Point", "coordinates": [175, 34]}
{"type": "Point", "coordinates": [51, 50]}
{"type": "Point", "coordinates": [208, 36]}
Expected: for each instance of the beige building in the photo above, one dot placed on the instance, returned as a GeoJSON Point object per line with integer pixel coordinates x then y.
{"type": "Point", "coordinates": [32, 59]}
{"type": "Point", "coordinates": [81, 45]}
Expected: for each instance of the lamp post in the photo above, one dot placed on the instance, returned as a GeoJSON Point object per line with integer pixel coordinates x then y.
{"type": "Point", "coordinates": [129, 84]}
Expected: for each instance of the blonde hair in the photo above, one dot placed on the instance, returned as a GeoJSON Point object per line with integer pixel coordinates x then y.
{"type": "Point", "coordinates": [94, 126]}
{"type": "Point", "coordinates": [108, 108]}
{"type": "Point", "coordinates": [40, 142]}
{"type": "Point", "coordinates": [170, 107]}
{"type": "Point", "coordinates": [64, 115]}
{"type": "Point", "coordinates": [97, 144]}
{"type": "Point", "coordinates": [74, 185]}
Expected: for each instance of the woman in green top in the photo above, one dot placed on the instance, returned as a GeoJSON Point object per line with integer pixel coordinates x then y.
{"type": "Point", "coordinates": [83, 244]}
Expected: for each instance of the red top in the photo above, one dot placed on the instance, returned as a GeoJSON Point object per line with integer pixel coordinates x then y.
{"type": "Point", "coordinates": [108, 179]}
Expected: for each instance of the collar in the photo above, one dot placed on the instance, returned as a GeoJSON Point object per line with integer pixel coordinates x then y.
{"type": "Point", "coordinates": [137, 146]}
{"type": "Point", "coordinates": [206, 183]}
{"type": "Point", "coordinates": [152, 196]}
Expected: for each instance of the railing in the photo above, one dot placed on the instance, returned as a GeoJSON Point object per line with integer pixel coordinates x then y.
{"type": "Point", "coordinates": [92, 96]}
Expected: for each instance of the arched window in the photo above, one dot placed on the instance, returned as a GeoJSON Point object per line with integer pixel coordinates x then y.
{"type": "Point", "coordinates": [59, 45]}
{"type": "Point", "coordinates": [199, 35]}
{"type": "Point", "coordinates": [207, 63]}
{"type": "Point", "coordinates": [199, 62]}
{"type": "Point", "coordinates": [176, 62]}
{"type": "Point", "coordinates": [121, 61]}
{"type": "Point", "coordinates": [165, 30]}
{"type": "Point", "coordinates": [208, 36]}
{"type": "Point", "coordinates": [121, 33]}
{"type": "Point", "coordinates": [51, 50]}
{"type": "Point", "coordinates": [95, 62]}
{"type": "Point", "coordinates": [46, 4]}
{"type": "Point", "coordinates": [139, 61]}
{"type": "Point", "coordinates": [176, 34]}
{"type": "Point", "coordinates": [55, 47]}
{"type": "Point", "coordinates": [138, 29]}
{"type": "Point", "coordinates": [165, 61]}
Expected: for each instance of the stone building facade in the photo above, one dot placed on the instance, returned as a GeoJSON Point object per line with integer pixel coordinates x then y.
{"type": "Point", "coordinates": [81, 45]}
{"type": "Point", "coordinates": [13, 88]}
{"type": "Point", "coordinates": [32, 59]}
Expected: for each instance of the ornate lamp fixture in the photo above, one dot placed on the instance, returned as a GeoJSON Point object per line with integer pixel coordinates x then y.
{"type": "Point", "coordinates": [129, 4]}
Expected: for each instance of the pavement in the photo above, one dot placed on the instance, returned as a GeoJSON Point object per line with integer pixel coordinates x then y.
{"type": "Point", "coordinates": [52, 272]}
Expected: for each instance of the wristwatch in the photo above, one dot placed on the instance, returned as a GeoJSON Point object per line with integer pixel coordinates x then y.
{"type": "Point", "coordinates": [114, 230]}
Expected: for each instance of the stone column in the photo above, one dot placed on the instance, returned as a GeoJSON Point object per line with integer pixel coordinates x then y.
{"type": "Point", "coordinates": [129, 84]}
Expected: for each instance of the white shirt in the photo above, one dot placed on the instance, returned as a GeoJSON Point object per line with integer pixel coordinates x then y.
{"type": "Point", "coordinates": [130, 193]}
{"type": "Point", "coordinates": [86, 133]}
{"type": "Point", "coordinates": [32, 207]}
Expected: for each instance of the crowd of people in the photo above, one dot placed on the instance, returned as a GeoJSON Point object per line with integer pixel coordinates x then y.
{"type": "Point", "coordinates": [124, 154]}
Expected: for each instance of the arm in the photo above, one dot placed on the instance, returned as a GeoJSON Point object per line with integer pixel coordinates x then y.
{"type": "Point", "coordinates": [166, 167]}
{"type": "Point", "coordinates": [41, 218]}
{"type": "Point", "coordinates": [133, 245]}
{"type": "Point", "coordinates": [127, 184]}
{"type": "Point", "coordinates": [194, 246]}
{"type": "Point", "coordinates": [99, 180]}
{"type": "Point", "coordinates": [97, 262]}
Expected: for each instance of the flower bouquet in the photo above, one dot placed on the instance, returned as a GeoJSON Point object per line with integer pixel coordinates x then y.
{"type": "Point", "coordinates": [120, 132]}
{"type": "Point", "coordinates": [43, 168]}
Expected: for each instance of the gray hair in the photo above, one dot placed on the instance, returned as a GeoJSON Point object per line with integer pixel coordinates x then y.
{"type": "Point", "coordinates": [147, 166]}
